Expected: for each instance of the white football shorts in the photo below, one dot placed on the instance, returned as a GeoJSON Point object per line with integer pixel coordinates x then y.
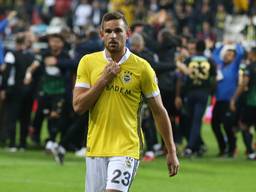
{"type": "Point", "coordinates": [115, 173]}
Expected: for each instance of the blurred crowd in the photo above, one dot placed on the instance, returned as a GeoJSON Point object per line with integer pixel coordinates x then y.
{"type": "Point", "coordinates": [203, 52]}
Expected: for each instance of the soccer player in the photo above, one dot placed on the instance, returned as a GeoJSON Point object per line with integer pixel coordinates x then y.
{"type": "Point", "coordinates": [198, 85]}
{"type": "Point", "coordinates": [248, 111]}
{"type": "Point", "coordinates": [111, 85]}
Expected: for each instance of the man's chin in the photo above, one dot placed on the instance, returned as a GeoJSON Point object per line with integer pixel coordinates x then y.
{"type": "Point", "coordinates": [113, 49]}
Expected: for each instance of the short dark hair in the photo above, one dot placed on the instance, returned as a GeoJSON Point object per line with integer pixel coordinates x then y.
{"type": "Point", "coordinates": [136, 24]}
{"type": "Point", "coordinates": [232, 50]}
{"type": "Point", "coordinates": [113, 16]}
{"type": "Point", "coordinates": [200, 46]}
{"type": "Point", "coordinates": [20, 39]}
{"type": "Point", "coordinates": [57, 35]}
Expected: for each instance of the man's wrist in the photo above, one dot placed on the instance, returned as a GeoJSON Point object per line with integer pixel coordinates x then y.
{"type": "Point", "coordinates": [171, 150]}
{"type": "Point", "coordinates": [103, 82]}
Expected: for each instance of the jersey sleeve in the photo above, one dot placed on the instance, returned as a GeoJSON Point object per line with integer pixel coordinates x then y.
{"type": "Point", "coordinates": [149, 82]}
{"type": "Point", "coordinates": [82, 77]}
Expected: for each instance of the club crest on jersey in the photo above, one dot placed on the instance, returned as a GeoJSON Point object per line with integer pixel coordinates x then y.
{"type": "Point", "coordinates": [127, 77]}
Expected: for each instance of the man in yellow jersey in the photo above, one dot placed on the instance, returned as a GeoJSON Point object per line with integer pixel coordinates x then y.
{"type": "Point", "coordinates": [111, 85]}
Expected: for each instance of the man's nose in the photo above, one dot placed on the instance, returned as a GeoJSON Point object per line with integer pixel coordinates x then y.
{"type": "Point", "coordinates": [113, 34]}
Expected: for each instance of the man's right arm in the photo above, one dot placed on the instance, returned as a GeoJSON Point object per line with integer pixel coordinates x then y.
{"type": "Point", "coordinates": [85, 98]}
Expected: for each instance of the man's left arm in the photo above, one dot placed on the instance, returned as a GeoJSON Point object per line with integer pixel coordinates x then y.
{"type": "Point", "coordinates": [164, 126]}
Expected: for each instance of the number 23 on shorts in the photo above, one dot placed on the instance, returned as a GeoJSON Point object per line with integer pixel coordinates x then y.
{"type": "Point", "coordinates": [121, 171]}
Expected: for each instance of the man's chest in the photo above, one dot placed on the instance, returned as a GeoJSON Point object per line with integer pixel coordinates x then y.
{"type": "Point", "coordinates": [127, 81]}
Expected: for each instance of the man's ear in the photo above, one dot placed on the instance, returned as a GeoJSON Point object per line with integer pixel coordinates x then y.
{"type": "Point", "coordinates": [101, 34]}
{"type": "Point", "coordinates": [128, 33]}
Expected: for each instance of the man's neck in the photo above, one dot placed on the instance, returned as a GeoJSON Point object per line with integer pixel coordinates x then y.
{"type": "Point", "coordinates": [116, 56]}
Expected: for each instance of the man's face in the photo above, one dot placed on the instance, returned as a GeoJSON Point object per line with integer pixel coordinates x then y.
{"type": "Point", "coordinates": [229, 56]}
{"type": "Point", "coordinates": [191, 48]}
{"type": "Point", "coordinates": [55, 43]}
{"type": "Point", "coordinates": [114, 34]}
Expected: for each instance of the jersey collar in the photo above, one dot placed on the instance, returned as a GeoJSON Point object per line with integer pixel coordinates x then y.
{"type": "Point", "coordinates": [122, 60]}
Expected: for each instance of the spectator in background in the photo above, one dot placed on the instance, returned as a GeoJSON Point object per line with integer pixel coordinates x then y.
{"type": "Point", "coordinates": [227, 59]}
{"type": "Point", "coordinates": [206, 32]}
{"type": "Point", "coordinates": [92, 43]}
{"type": "Point", "coordinates": [204, 13]}
{"type": "Point", "coordinates": [190, 20]}
{"type": "Point", "coordinates": [82, 14]}
{"type": "Point", "coordinates": [249, 32]}
{"type": "Point", "coordinates": [137, 45]}
{"type": "Point", "coordinates": [3, 24]}
{"type": "Point", "coordinates": [18, 106]}
{"type": "Point", "coordinates": [98, 9]}
{"type": "Point", "coordinates": [153, 6]}
{"type": "Point", "coordinates": [148, 32]}
{"type": "Point", "coordinates": [55, 66]}
{"type": "Point", "coordinates": [141, 11]}
{"type": "Point", "coordinates": [166, 72]}
{"type": "Point", "coordinates": [220, 21]}
{"type": "Point", "coordinates": [180, 15]}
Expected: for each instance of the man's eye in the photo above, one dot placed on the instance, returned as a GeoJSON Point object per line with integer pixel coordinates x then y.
{"type": "Point", "coordinates": [118, 30]}
{"type": "Point", "coordinates": [108, 31]}
{"type": "Point", "coordinates": [115, 30]}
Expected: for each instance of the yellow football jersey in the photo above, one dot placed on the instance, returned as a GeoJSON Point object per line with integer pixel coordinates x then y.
{"type": "Point", "coordinates": [114, 120]}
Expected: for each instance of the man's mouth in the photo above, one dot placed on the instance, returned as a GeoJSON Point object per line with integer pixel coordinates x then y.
{"type": "Point", "coordinates": [113, 43]}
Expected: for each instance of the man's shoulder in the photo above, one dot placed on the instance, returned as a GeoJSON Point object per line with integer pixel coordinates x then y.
{"type": "Point", "coordinates": [140, 62]}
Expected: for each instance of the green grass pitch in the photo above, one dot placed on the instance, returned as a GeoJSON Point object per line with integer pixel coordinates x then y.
{"type": "Point", "coordinates": [34, 171]}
